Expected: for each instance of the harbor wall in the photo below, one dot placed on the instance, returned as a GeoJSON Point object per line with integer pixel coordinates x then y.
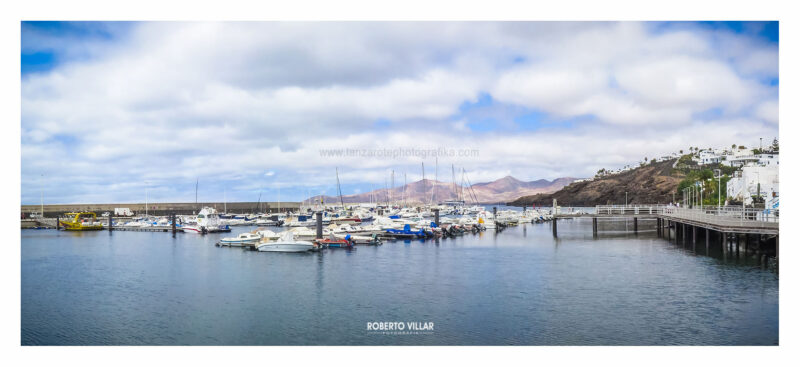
{"type": "Point", "coordinates": [54, 210]}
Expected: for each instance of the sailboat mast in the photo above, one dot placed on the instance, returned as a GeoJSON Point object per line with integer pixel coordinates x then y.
{"type": "Point", "coordinates": [405, 185]}
{"type": "Point", "coordinates": [424, 190]}
{"type": "Point", "coordinates": [391, 193]}
{"type": "Point", "coordinates": [455, 191]}
{"type": "Point", "coordinates": [196, 185]}
{"type": "Point", "coordinates": [435, 180]}
{"type": "Point", "coordinates": [339, 188]}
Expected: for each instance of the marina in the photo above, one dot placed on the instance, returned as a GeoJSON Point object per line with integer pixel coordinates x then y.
{"type": "Point", "coordinates": [542, 289]}
{"type": "Point", "coordinates": [402, 183]}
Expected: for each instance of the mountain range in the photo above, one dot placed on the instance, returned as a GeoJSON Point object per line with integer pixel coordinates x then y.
{"type": "Point", "coordinates": [424, 191]}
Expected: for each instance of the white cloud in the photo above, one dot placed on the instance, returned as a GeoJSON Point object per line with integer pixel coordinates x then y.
{"type": "Point", "coordinates": [768, 111]}
{"type": "Point", "coordinates": [172, 102]}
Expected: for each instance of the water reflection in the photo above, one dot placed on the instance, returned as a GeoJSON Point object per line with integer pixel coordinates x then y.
{"type": "Point", "coordinates": [519, 286]}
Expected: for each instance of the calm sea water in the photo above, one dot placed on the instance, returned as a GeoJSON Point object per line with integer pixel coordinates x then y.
{"type": "Point", "coordinates": [518, 287]}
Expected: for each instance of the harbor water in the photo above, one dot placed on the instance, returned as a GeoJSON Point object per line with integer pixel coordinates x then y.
{"type": "Point", "coordinates": [517, 287]}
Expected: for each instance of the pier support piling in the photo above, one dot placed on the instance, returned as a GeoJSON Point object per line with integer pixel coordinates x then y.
{"type": "Point", "coordinates": [555, 227]}
{"type": "Point", "coordinates": [746, 243]}
{"type": "Point", "coordinates": [683, 230]}
{"type": "Point", "coordinates": [174, 225]}
{"type": "Point", "coordinates": [110, 224]}
{"type": "Point", "coordinates": [58, 223]}
{"type": "Point", "coordinates": [635, 225]}
{"type": "Point", "coordinates": [319, 225]}
{"type": "Point", "coordinates": [669, 230]}
{"type": "Point", "coordinates": [594, 227]}
{"type": "Point", "coordinates": [737, 236]}
{"type": "Point", "coordinates": [724, 240]}
{"type": "Point", "coordinates": [436, 217]}
{"type": "Point", "coordinates": [708, 239]}
{"type": "Point", "coordinates": [694, 238]}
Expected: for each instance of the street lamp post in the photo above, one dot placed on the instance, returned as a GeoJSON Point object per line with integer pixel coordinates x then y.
{"type": "Point", "coordinates": [718, 172]}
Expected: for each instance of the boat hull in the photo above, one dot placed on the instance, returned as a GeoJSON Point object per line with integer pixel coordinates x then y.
{"type": "Point", "coordinates": [240, 243]}
{"type": "Point", "coordinates": [286, 247]}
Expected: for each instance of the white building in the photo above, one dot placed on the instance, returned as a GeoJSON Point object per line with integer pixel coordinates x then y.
{"type": "Point", "coordinates": [765, 159]}
{"type": "Point", "coordinates": [708, 157]}
{"type": "Point", "coordinates": [745, 183]}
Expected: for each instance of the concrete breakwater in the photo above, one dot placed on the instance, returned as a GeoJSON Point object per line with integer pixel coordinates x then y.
{"type": "Point", "coordinates": [55, 210]}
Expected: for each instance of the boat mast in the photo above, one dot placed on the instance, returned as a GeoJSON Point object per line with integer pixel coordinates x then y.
{"type": "Point", "coordinates": [145, 199]}
{"type": "Point", "coordinates": [339, 188]}
{"type": "Point", "coordinates": [391, 193]}
{"type": "Point", "coordinates": [424, 191]}
{"type": "Point", "coordinates": [41, 197]}
{"type": "Point", "coordinates": [461, 189]}
{"type": "Point", "coordinates": [405, 185]}
{"type": "Point", "coordinates": [455, 191]}
{"type": "Point", "coordinates": [196, 185]}
{"type": "Point", "coordinates": [435, 180]}
{"type": "Point", "coordinates": [225, 200]}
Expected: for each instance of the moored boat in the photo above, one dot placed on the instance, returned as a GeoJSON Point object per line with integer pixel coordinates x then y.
{"type": "Point", "coordinates": [207, 221]}
{"type": "Point", "coordinates": [243, 239]}
{"type": "Point", "coordinates": [286, 243]}
{"type": "Point", "coordinates": [82, 221]}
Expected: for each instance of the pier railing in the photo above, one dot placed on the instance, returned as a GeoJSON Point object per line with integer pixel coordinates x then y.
{"type": "Point", "coordinates": [629, 209]}
{"type": "Point", "coordinates": [726, 215]}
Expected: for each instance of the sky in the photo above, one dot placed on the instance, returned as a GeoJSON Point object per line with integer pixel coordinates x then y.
{"type": "Point", "coordinates": [113, 112]}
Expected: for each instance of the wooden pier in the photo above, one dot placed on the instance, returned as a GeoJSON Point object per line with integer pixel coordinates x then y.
{"type": "Point", "coordinates": [735, 231]}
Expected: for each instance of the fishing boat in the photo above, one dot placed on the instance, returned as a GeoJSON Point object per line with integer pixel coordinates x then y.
{"type": "Point", "coordinates": [286, 243]}
{"type": "Point", "coordinates": [243, 239]}
{"type": "Point", "coordinates": [83, 221]}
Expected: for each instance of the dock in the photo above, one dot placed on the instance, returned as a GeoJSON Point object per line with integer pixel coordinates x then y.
{"type": "Point", "coordinates": [735, 231]}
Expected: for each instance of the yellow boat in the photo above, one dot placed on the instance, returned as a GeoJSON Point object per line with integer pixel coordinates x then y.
{"type": "Point", "coordinates": [83, 221]}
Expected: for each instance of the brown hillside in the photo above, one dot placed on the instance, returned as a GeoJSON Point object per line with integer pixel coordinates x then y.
{"type": "Point", "coordinates": [652, 184]}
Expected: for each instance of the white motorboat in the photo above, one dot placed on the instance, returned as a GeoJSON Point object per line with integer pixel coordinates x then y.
{"type": "Point", "coordinates": [207, 221]}
{"type": "Point", "coordinates": [266, 222]}
{"type": "Point", "coordinates": [243, 239]}
{"type": "Point", "coordinates": [286, 243]}
{"type": "Point", "coordinates": [268, 235]}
